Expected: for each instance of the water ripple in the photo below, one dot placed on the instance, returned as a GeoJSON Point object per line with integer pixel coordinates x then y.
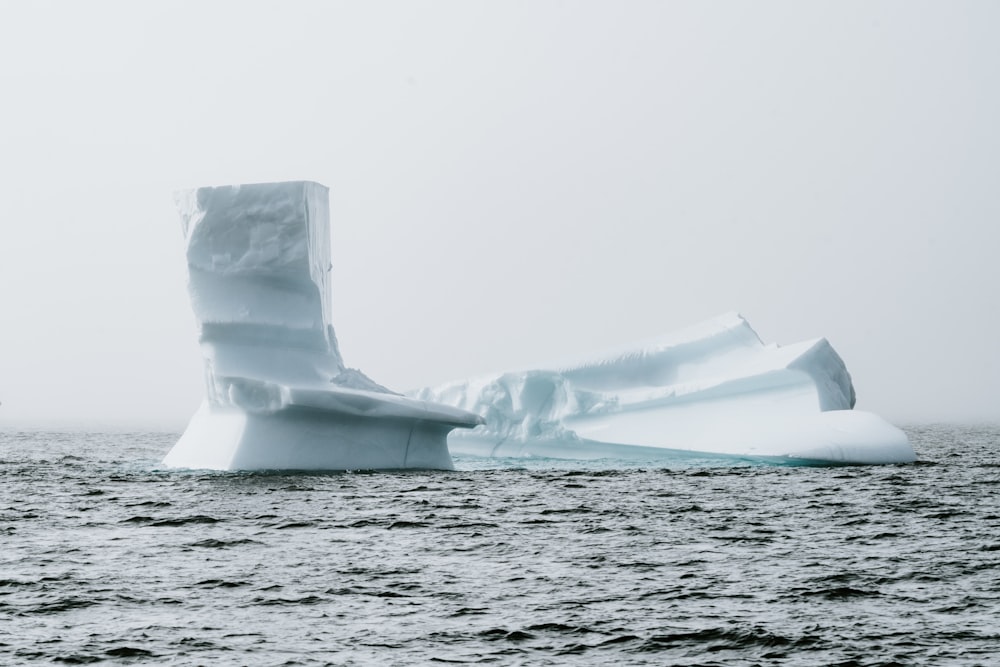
{"type": "Point", "coordinates": [108, 558]}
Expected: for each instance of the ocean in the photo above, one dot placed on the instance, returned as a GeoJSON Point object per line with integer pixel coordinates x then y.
{"type": "Point", "coordinates": [106, 557]}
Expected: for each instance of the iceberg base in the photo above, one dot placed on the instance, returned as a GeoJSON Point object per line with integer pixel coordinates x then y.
{"type": "Point", "coordinates": [837, 437]}
{"type": "Point", "coordinates": [296, 438]}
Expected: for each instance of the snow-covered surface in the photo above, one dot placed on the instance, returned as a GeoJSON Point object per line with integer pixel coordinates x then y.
{"type": "Point", "coordinates": [277, 393]}
{"type": "Point", "coordinates": [713, 389]}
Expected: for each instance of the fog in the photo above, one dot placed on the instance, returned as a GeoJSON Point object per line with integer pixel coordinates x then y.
{"type": "Point", "coordinates": [511, 183]}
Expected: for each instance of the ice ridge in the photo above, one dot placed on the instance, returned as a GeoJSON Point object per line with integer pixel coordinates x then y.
{"type": "Point", "coordinates": [714, 388]}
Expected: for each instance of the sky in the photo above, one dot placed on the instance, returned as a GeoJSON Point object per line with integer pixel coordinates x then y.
{"type": "Point", "coordinates": [510, 183]}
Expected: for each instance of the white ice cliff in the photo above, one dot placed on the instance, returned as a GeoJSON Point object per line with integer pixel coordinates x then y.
{"type": "Point", "coordinates": [278, 395]}
{"type": "Point", "coordinates": [711, 390]}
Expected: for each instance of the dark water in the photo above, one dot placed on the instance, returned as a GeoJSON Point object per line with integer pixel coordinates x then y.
{"type": "Point", "coordinates": [104, 557]}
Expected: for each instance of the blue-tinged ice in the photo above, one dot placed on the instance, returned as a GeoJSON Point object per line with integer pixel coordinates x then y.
{"type": "Point", "coordinates": [714, 388]}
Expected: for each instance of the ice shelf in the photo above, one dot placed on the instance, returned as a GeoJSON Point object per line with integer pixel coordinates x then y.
{"type": "Point", "coordinates": [277, 393]}
{"type": "Point", "coordinates": [713, 390]}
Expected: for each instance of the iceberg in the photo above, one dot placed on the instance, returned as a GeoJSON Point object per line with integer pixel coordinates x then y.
{"type": "Point", "coordinates": [277, 392]}
{"type": "Point", "coordinates": [712, 390]}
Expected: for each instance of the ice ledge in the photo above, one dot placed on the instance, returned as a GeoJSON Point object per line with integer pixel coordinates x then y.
{"type": "Point", "coordinates": [714, 388]}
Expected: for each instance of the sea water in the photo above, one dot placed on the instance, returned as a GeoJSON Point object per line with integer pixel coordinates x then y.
{"type": "Point", "coordinates": [106, 556]}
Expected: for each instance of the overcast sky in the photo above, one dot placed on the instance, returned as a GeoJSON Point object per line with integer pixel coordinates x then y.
{"type": "Point", "coordinates": [510, 182]}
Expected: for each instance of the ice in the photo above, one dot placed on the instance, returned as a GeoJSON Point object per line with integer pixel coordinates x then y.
{"type": "Point", "coordinates": [713, 389]}
{"type": "Point", "coordinates": [277, 393]}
